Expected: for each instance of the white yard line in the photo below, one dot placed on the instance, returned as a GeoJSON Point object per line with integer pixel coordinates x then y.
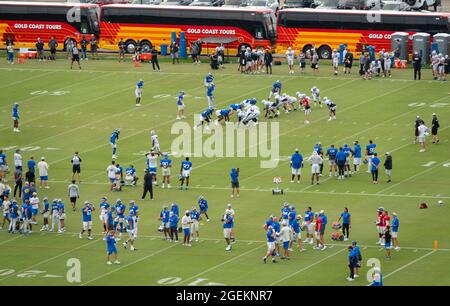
{"type": "Point", "coordinates": [50, 259]}
{"type": "Point", "coordinates": [409, 264]}
{"type": "Point", "coordinates": [128, 265]}
{"type": "Point", "coordinates": [411, 177]}
{"type": "Point", "coordinates": [307, 267]}
{"type": "Point", "coordinates": [219, 265]}
{"type": "Point", "coordinates": [269, 190]}
{"type": "Point", "coordinates": [12, 239]}
{"type": "Point", "coordinates": [299, 76]}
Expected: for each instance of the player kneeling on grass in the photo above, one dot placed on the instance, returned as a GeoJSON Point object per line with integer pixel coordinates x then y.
{"type": "Point", "coordinates": [111, 248]}
{"type": "Point", "coordinates": [222, 114]}
{"type": "Point", "coordinates": [186, 222]}
{"type": "Point", "coordinates": [131, 227]}
{"type": "Point", "coordinates": [270, 234]}
{"type": "Point", "coordinates": [227, 228]}
{"type": "Point", "coordinates": [205, 117]}
{"type": "Point", "coordinates": [87, 219]}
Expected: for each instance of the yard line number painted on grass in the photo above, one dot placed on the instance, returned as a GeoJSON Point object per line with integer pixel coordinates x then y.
{"type": "Point", "coordinates": [197, 282]}
{"type": "Point", "coordinates": [28, 274]}
{"type": "Point", "coordinates": [433, 105]}
{"type": "Point", "coordinates": [50, 93]}
{"type": "Point", "coordinates": [432, 162]}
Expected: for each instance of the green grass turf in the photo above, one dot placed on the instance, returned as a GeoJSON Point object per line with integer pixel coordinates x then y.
{"type": "Point", "coordinates": [100, 98]}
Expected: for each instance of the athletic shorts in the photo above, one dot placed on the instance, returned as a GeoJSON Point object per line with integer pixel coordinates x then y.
{"type": "Point", "coordinates": [34, 211]}
{"type": "Point", "coordinates": [315, 169]}
{"type": "Point", "coordinates": [302, 64]}
{"type": "Point", "coordinates": [76, 169]}
{"type": "Point", "coordinates": [234, 184]}
{"type": "Point", "coordinates": [152, 170]}
{"type": "Point", "coordinates": [394, 234]}
{"type": "Point", "coordinates": [332, 162]}
{"type": "Point", "coordinates": [290, 62]}
{"type": "Point", "coordinates": [181, 107]}
{"type": "Point", "coordinates": [62, 216]}
{"type": "Point", "coordinates": [187, 231]}
{"type": "Point", "coordinates": [357, 161]}
{"type": "Point", "coordinates": [186, 173]}
{"type": "Point", "coordinates": [43, 178]}
{"type": "Point", "coordinates": [421, 139]}
{"type": "Point", "coordinates": [166, 171]}
{"type": "Point", "coordinates": [314, 66]}
{"type": "Point", "coordinates": [73, 199]}
{"type": "Point", "coordinates": [112, 250]}
{"type": "Point", "coordinates": [45, 215]}
{"type": "Point", "coordinates": [75, 58]}
{"type": "Point", "coordinates": [227, 233]}
{"type": "Point", "coordinates": [194, 226]}
{"type": "Point", "coordinates": [387, 246]}
{"type": "Point", "coordinates": [270, 247]}
{"type": "Point", "coordinates": [296, 171]}
{"type": "Point", "coordinates": [87, 225]}
{"type": "Point", "coordinates": [138, 93]}
{"type": "Point", "coordinates": [307, 111]}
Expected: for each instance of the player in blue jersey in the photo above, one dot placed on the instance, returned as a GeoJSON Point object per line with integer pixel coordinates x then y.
{"type": "Point", "coordinates": [210, 95]}
{"type": "Point", "coordinates": [138, 91]}
{"type": "Point", "coordinates": [395, 226]}
{"type": "Point", "coordinates": [228, 223]}
{"type": "Point", "coordinates": [270, 235]}
{"type": "Point", "coordinates": [205, 116]}
{"type": "Point", "coordinates": [130, 176]}
{"type": "Point", "coordinates": [134, 212]}
{"type": "Point", "coordinates": [297, 232]}
{"type": "Point", "coordinates": [375, 162]}
{"type": "Point", "coordinates": [222, 114]}
{"type": "Point", "coordinates": [370, 151]}
{"type": "Point", "coordinates": [166, 165]}
{"type": "Point", "coordinates": [119, 220]}
{"type": "Point", "coordinates": [285, 210]}
{"type": "Point", "coordinates": [308, 224]}
{"type": "Point", "coordinates": [45, 213]}
{"type": "Point", "coordinates": [268, 223]}
{"type": "Point", "coordinates": [296, 166]}
{"type": "Point", "coordinates": [234, 108]}
{"type": "Point", "coordinates": [341, 157]}
{"type": "Point", "coordinates": [185, 173]}
{"type": "Point", "coordinates": [3, 168]}
{"type": "Point", "coordinates": [180, 106]}
{"type": "Point", "coordinates": [203, 207]}
{"type": "Point", "coordinates": [173, 225]}
{"type": "Point", "coordinates": [87, 211]}
{"type": "Point", "coordinates": [209, 78]}
{"type": "Point", "coordinates": [195, 218]}
{"type": "Point", "coordinates": [377, 278]}
{"type": "Point", "coordinates": [111, 248]}
{"type": "Point", "coordinates": [356, 156]}
{"type": "Point", "coordinates": [164, 218]}
{"type": "Point", "coordinates": [113, 141]}
{"type": "Point", "coordinates": [62, 216]}
{"type": "Point", "coordinates": [331, 154]}
{"type": "Point", "coordinates": [131, 226]}
{"type": "Point", "coordinates": [318, 148]}
{"type": "Point", "coordinates": [348, 152]}
{"type": "Point", "coordinates": [276, 89]}
{"type": "Point", "coordinates": [15, 117]}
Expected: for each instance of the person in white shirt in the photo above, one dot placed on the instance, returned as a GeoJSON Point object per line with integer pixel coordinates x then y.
{"type": "Point", "coordinates": [315, 160]}
{"type": "Point", "coordinates": [18, 160]}
{"type": "Point", "coordinates": [423, 132]}
{"type": "Point", "coordinates": [111, 170]}
{"type": "Point", "coordinates": [230, 210]}
{"type": "Point", "coordinates": [43, 173]}
{"type": "Point", "coordinates": [290, 55]}
{"type": "Point", "coordinates": [34, 201]}
{"type": "Point", "coordinates": [186, 225]}
{"type": "Point", "coordinates": [285, 236]}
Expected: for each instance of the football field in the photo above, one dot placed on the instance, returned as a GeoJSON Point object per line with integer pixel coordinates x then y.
{"type": "Point", "coordinates": [63, 111]}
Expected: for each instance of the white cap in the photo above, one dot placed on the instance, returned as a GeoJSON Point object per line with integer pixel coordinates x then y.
{"type": "Point", "coordinates": [42, 158]}
{"type": "Point", "coordinates": [321, 212]}
{"type": "Point", "coordinates": [229, 205]}
{"type": "Point", "coordinates": [394, 214]}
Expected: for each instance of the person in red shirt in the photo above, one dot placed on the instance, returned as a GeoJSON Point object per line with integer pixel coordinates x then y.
{"type": "Point", "coordinates": [307, 107]}
{"type": "Point", "coordinates": [318, 229]}
{"type": "Point", "coordinates": [386, 221]}
{"type": "Point", "coordinates": [379, 224]}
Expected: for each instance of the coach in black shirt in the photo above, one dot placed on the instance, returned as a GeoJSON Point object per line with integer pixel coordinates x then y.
{"type": "Point", "coordinates": [148, 185]}
{"type": "Point", "coordinates": [417, 64]}
{"type": "Point", "coordinates": [155, 63]}
{"type": "Point", "coordinates": [268, 59]}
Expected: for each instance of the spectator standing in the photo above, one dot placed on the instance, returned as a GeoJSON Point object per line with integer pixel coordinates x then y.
{"type": "Point", "coordinates": [121, 46]}
{"type": "Point", "coordinates": [268, 60]}
{"type": "Point", "coordinates": [18, 181]}
{"type": "Point", "coordinates": [315, 62]}
{"type": "Point", "coordinates": [148, 185]}
{"type": "Point", "coordinates": [69, 46]}
{"type": "Point", "coordinates": [10, 54]}
{"type": "Point", "coordinates": [43, 173]}
{"type": "Point", "coordinates": [74, 194]}
{"type": "Point", "coordinates": [31, 164]}
{"type": "Point", "coordinates": [75, 56]}
{"type": "Point", "coordinates": [346, 223]}
{"type": "Point", "coordinates": [83, 44]}
{"type": "Point", "coordinates": [174, 52]}
{"type": "Point", "coordinates": [18, 160]}
{"type": "Point", "coordinates": [362, 60]}
{"type": "Point", "coordinates": [173, 226]}
{"type": "Point", "coordinates": [434, 128]}
{"type": "Point", "coordinates": [417, 64]}
{"type": "Point", "coordinates": [94, 45]}
{"type": "Point", "coordinates": [375, 162]}
{"type": "Point", "coordinates": [388, 166]}
{"type": "Point", "coordinates": [446, 66]}
{"type": "Point", "coordinates": [194, 53]}
{"type": "Point", "coordinates": [348, 62]}
{"type": "Point", "coordinates": [52, 45]}
{"type": "Point", "coordinates": [234, 175]}
{"type": "Point", "coordinates": [155, 63]}
{"type": "Point", "coordinates": [40, 49]}
{"type": "Point", "coordinates": [352, 263]}
{"type": "Point", "coordinates": [76, 166]}
{"type": "Point", "coordinates": [30, 177]}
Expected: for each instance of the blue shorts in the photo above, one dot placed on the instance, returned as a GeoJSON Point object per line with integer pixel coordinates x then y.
{"type": "Point", "coordinates": [202, 211]}
{"type": "Point", "coordinates": [6, 215]}
{"type": "Point", "coordinates": [112, 250]}
{"type": "Point", "coordinates": [187, 231]}
{"type": "Point", "coordinates": [152, 170]}
{"type": "Point", "coordinates": [322, 231]}
{"type": "Point", "coordinates": [34, 211]}
{"type": "Point", "coordinates": [387, 246]}
{"type": "Point", "coordinates": [113, 144]}
{"type": "Point", "coordinates": [44, 178]}
{"type": "Point", "coordinates": [285, 245]}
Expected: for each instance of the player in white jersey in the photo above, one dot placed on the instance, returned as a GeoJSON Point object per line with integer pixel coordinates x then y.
{"type": "Point", "coordinates": [387, 64]}
{"type": "Point", "coordinates": [270, 108]}
{"type": "Point", "coordinates": [152, 165]}
{"type": "Point", "coordinates": [155, 142]}
{"type": "Point", "coordinates": [315, 92]}
{"type": "Point", "coordinates": [441, 67]}
{"type": "Point", "coordinates": [434, 64]}
{"type": "Point", "coordinates": [282, 101]}
{"type": "Point", "coordinates": [335, 57]}
{"type": "Point", "coordinates": [251, 115]}
{"type": "Point", "coordinates": [290, 56]}
{"type": "Point", "coordinates": [331, 107]}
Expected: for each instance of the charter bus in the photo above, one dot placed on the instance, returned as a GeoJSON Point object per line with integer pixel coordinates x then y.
{"type": "Point", "coordinates": [152, 26]}
{"type": "Point", "coordinates": [23, 22]}
{"type": "Point", "coordinates": [328, 29]}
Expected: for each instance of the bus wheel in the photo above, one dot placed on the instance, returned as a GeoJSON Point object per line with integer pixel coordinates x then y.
{"type": "Point", "coordinates": [130, 46]}
{"type": "Point", "coordinates": [307, 48]}
{"type": "Point", "coordinates": [325, 52]}
{"type": "Point", "coordinates": [146, 46]}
